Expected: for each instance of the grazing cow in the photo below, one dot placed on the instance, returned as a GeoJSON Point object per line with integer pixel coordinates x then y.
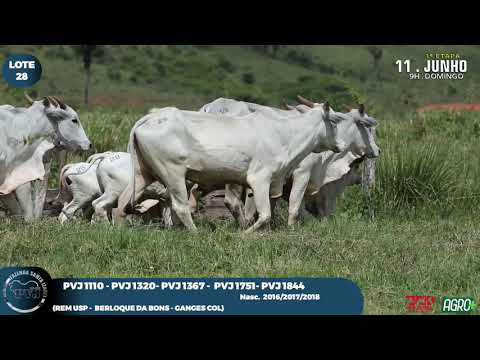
{"type": "Point", "coordinates": [323, 203]}
{"type": "Point", "coordinates": [78, 188]}
{"type": "Point", "coordinates": [27, 138]}
{"type": "Point", "coordinates": [99, 182]}
{"type": "Point", "coordinates": [171, 145]}
{"type": "Point", "coordinates": [315, 170]}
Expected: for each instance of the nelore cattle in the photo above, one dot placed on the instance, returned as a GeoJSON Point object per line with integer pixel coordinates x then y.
{"type": "Point", "coordinates": [28, 136]}
{"type": "Point", "coordinates": [315, 170]}
{"type": "Point", "coordinates": [95, 186]}
{"type": "Point", "coordinates": [256, 150]}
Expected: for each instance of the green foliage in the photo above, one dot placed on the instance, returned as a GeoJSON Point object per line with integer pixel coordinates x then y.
{"type": "Point", "coordinates": [407, 177]}
{"type": "Point", "coordinates": [387, 259]}
{"type": "Point", "coordinates": [302, 58]}
{"type": "Point", "coordinates": [248, 78]}
{"type": "Point", "coordinates": [226, 64]}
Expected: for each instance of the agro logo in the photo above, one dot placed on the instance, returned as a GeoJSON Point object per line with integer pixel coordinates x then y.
{"type": "Point", "coordinates": [452, 304]}
{"type": "Point", "coordinates": [25, 291]}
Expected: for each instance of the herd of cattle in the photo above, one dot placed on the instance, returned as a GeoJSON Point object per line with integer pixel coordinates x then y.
{"type": "Point", "coordinates": [257, 154]}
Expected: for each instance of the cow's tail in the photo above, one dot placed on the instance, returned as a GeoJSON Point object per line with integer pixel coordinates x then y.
{"type": "Point", "coordinates": [133, 151]}
{"type": "Point", "coordinates": [101, 156]}
{"type": "Point", "coordinates": [62, 181]}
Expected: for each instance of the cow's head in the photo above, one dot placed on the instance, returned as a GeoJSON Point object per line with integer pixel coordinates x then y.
{"type": "Point", "coordinates": [362, 141]}
{"type": "Point", "coordinates": [65, 121]}
{"type": "Point", "coordinates": [331, 119]}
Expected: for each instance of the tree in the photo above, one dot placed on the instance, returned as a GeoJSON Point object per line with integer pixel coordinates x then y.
{"type": "Point", "coordinates": [376, 53]}
{"type": "Point", "coordinates": [87, 51]}
{"type": "Point", "coordinates": [268, 49]}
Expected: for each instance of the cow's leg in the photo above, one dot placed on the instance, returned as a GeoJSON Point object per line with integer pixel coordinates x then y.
{"type": "Point", "coordinates": [39, 188]}
{"type": "Point", "coordinates": [331, 200]}
{"type": "Point", "coordinates": [250, 209]}
{"type": "Point", "coordinates": [102, 205]}
{"type": "Point", "coordinates": [233, 202]}
{"type": "Point", "coordinates": [273, 205]}
{"type": "Point", "coordinates": [261, 191]}
{"type": "Point", "coordinates": [142, 180]}
{"type": "Point", "coordinates": [320, 204]}
{"type": "Point", "coordinates": [24, 197]}
{"type": "Point", "coordinates": [179, 196]}
{"type": "Point", "coordinates": [167, 216]}
{"type": "Point", "coordinates": [69, 210]}
{"type": "Point", "coordinates": [173, 177]}
{"type": "Point", "coordinates": [79, 201]}
{"type": "Point", "coordinates": [11, 203]}
{"type": "Point", "coordinates": [299, 185]}
{"type": "Point", "coordinates": [193, 198]}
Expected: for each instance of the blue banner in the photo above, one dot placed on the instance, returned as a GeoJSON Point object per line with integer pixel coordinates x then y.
{"type": "Point", "coordinates": [24, 289]}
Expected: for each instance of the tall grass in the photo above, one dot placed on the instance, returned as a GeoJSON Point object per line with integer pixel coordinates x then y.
{"type": "Point", "coordinates": [411, 176]}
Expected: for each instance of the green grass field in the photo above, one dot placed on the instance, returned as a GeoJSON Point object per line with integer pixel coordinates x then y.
{"type": "Point", "coordinates": [388, 258]}
{"type": "Point", "coordinates": [423, 240]}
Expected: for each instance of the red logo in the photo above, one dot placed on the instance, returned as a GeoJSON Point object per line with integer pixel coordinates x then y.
{"type": "Point", "coordinates": [419, 303]}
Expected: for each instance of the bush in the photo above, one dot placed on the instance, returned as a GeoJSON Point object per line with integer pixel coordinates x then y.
{"type": "Point", "coordinates": [407, 177]}
{"type": "Point", "coordinates": [114, 74]}
{"type": "Point", "coordinates": [305, 78]}
{"type": "Point", "coordinates": [158, 65]}
{"type": "Point", "coordinates": [300, 57]}
{"type": "Point", "coordinates": [225, 64]}
{"type": "Point", "coordinates": [248, 78]}
{"type": "Point", "coordinates": [203, 47]}
{"type": "Point", "coordinates": [60, 52]}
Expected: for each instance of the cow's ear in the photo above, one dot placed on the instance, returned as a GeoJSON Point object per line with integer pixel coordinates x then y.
{"type": "Point", "coordinates": [326, 106]}
{"type": "Point", "coordinates": [361, 109]}
{"type": "Point", "coordinates": [367, 121]}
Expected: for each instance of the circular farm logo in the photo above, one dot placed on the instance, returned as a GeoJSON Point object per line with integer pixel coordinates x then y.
{"type": "Point", "coordinates": [22, 70]}
{"type": "Point", "coordinates": [25, 290]}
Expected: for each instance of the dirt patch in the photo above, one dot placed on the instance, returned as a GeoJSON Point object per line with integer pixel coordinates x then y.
{"type": "Point", "coordinates": [450, 107]}
{"type": "Point", "coordinates": [212, 205]}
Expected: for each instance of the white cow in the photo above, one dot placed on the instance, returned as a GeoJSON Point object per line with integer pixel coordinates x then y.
{"type": "Point", "coordinates": [99, 182]}
{"type": "Point", "coordinates": [78, 188]}
{"type": "Point", "coordinates": [240, 108]}
{"type": "Point", "coordinates": [171, 145]}
{"type": "Point", "coordinates": [324, 202]}
{"type": "Point", "coordinates": [316, 170]}
{"type": "Point", "coordinates": [27, 138]}
{"type": "Point", "coordinates": [234, 193]}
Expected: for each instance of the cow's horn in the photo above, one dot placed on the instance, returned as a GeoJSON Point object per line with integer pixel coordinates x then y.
{"type": "Point", "coordinates": [305, 101]}
{"type": "Point", "coordinates": [288, 107]}
{"type": "Point", "coordinates": [301, 109]}
{"type": "Point", "coordinates": [361, 109]}
{"type": "Point", "coordinates": [29, 99]}
{"type": "Point", "coordinates": [53, 101]}
{"type": "Point", "coordinates": [62, 105]}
